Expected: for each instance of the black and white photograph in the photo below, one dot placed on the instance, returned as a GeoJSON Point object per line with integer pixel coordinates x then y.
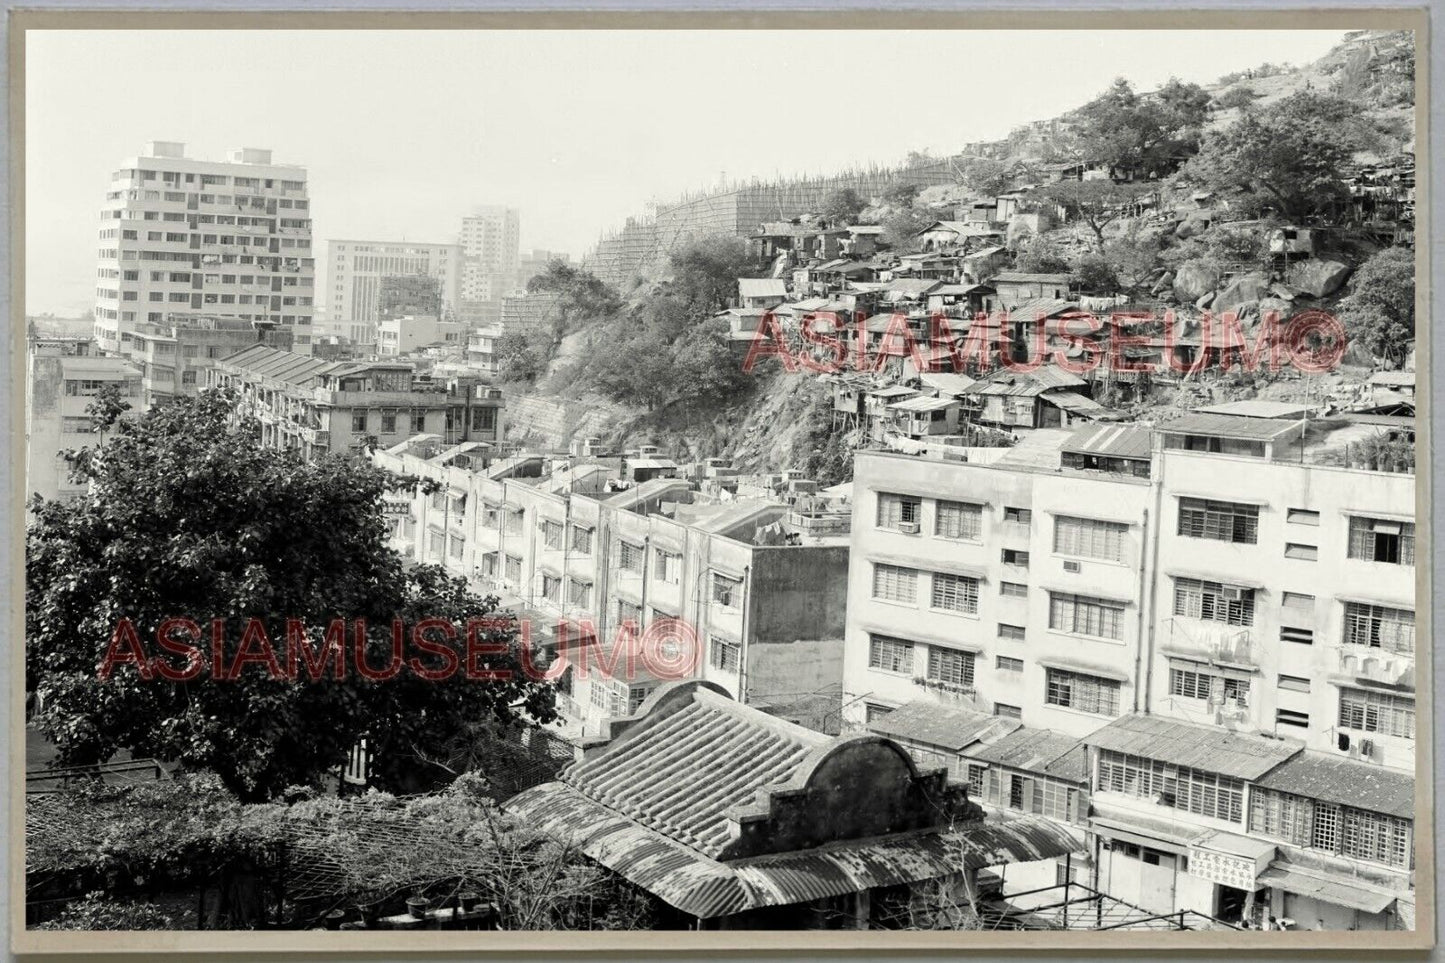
{"type": "Point", "coordinates": [487, 486]}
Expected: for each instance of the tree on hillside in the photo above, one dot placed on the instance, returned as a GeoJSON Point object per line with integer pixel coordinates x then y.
{"type": "Point", "coordinates": [1237, 97]}
{"type": "Point", "coordinates": [522, 356]}
{"type": "Point", "coordinates": [1147, 135]}
{"type": "Point", "coordinates": [843, 206]}
{"type": "Point", "coordinates": [1096, 204]}
{"type": "Point", "coordinates": [706, 271]}
{"type": "Point", "coordinates": [1040, 255]}
{"type": "Point", "coordinates": [1379, 311]}
{"type": "Point", "coordinates": [581, 296]}
{"type": "Point", "coordinates": [188, 517]}
{"type": "Point", "coordinates": [1288, 155]}
{"type": "Point", "coordinates": [705, 369]}
{"type": "Point", "coordinates": [901, 194]}
{"type": "Point", "coordinates": [986, 177]}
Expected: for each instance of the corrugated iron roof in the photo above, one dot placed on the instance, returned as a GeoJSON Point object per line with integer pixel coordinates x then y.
{"type": "Point", "coordinates": [1037, 750]}
{"type": "Point", "coordinates": [704, 887]}
{"type": "Point", "coordinates": [762, 288]}
{"type": "Point", "coordinates": [1024, 277]}
{"type": "Point", "coordinates": [1229, 426]}
{"type": "Point", "coordinates": [1207, 748]}
{"type": "Point", "coordinates": [1257, 408]}
{"type": "Point", "coordinates": [1111, 441]}
{"type": "Point", "coordinates": [923, 404]}
{"type": "Point", "coordinates": [1036, 382]}
{"type": "Point", "coordinates": [948, 727]}
{"type": "Point", "coordinates": [1039, 309]}
{"type": "Point", "coordinates": [1348, 893]}
{"type": "Point", "coordinates": [1077, 403]}
{"type": "Point", "coordinates": [1337, 780]}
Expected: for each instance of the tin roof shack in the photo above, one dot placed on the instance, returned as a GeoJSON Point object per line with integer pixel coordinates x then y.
{"type": "Point", "coordinates": [862, 240]}
{"type": "Point", "coordinates": [961, 301]}
{"type": "Point", "coordinates": [739, 820]}
{"type": "Point", "coordinates": [1015, 287]}
{"type": "Point", "coordinates": [1112, 449]}
{"type": "Point", "coordinates": [876, 402]}
{"type": "Point", "coordinates": [1272, 439]}
{"type": "Point", "coordinates": [920, 418]}
{"type": "Point", "coordinates": [983, 264]}
{"type": "Point", "coordinates": [761, 292]}
{"type": "Point", "coordinates": [1048, 397]}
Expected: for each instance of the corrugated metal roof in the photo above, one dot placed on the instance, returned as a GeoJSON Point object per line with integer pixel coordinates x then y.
{"type": "Point", "coordinates": [1077, 403]}
{"type": "Point", "coordinates": [923, 404]}
{"type": "Point", "coordinates": [704, 887]}
{"type": "Point", "coordinates": [762, 288]}
{"type": "Point", "coordinates": [953, 384]}
{"type": "Point", "coordinates": [1229, 426]}
{"type": "Point", "coordinates": [1037, 750]}
{"type": "Point", "coordinates": [1038, 309]}
{"type": "Point", "coordinates": [1337, 780]}
{"type": "Point", "coordinates": [1349, 893]}
{"type": "Point", "coordinates": [1207, 748]}
{"type": "Point", "coordinates": [1256, 408]}
{"type": "Point", "coordinates": [948, 727]}
{"type": "Point", "coordinates": [1399, 379]}
{"type": "Point", "coordinates": [288, 366]}
{"type": "Point", "coordinates": [1111, 441]}
{"type": "Point", "coordinates": [1036, 382]}
{"type": "Point", "coordinates": [1023, 277]}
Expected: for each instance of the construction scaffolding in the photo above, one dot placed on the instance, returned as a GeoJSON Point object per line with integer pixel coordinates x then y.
{"type": "Point", "coordinates": [1074, 906]}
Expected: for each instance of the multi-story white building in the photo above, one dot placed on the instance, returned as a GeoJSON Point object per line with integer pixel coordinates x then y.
{"type": "Point", "coordinates": [490, 240]}
{"type": "Point", "coordinates": [63, 378]}
{"type": "Point", "coordinates": [183, 238]}
{"type": "Point", "coordinates": [354, 272]}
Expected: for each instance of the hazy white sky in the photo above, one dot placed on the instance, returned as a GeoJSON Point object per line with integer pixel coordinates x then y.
{"type": "Point", "coordinates": [403, 131]}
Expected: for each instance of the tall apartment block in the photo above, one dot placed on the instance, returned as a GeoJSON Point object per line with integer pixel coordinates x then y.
{"type": "Point", "coordinates": [1193, 642]}
{"type": "Point", "coordinates": [183, 238]}
{"type": "Point", "coordinates": [355, 271]}
{"type": "Point", "coordinates": [490, 239]}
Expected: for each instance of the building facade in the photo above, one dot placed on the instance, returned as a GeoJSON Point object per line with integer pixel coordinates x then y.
{"type": "Point", "coordinates": [490, 241]}
{"type": "Point", "coordinates": [355, 271]}
{"type": "Point", "coordinates": [183, 238]}
{"type": "Point", "coordinates": [62, 379]}
{"type": "Point", "coordinates": [173, 357]}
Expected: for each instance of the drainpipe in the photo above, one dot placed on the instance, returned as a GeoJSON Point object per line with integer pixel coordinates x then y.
{"type": "Point", "coordinates": [1144, 611]}
{"type": "Point", "coordinates": [1158, 484]}
{"type": "Point", "coordinates": [746, 646]}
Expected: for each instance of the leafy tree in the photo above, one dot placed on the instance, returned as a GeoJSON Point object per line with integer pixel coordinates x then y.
{"type": "Point", "coordinates": [522, 357]}
{"type": "Point", "coordinates": [187, 516]}
{"type": "Point", "coordinates": [901, 194]}
{"type": "Point", "coordinates": [901, 227]}
{"type": "Point", "coordinates": [1379, 311]}
{"type": "Point", "coordinates": [1237, 97]}
{"type": "Point", "coordinates": [986, 177]}
{"type": "Point", "coordinates": [1147, 135]}
{"type": "Point", "coordinates": [843, 206]}
{"type": "Point", "coordinates": [582, 296]}
{"type": "Point", "coordinates": [1040, 255]}
{"type": "Point", "coordinates": [706, 271]}
{"type": "Point", "coordinates": [704, 367]}
{"type": "Point", "coordinates": [1132, 259]}
{"type": "Point", "coordinates": [1097, 204]}
{"type": "Point", "coordinates": [1096, 273]}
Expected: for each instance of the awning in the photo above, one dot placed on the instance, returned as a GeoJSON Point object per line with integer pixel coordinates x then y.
{"type": "Point", "coordinates": [930, 565]}
{"type": "Point", "coordinates": [1339, 892]}
{"type": "Point", "coordinates": [1154, 833]}
{"type": "Point", "coordinates": [911, 634]}
{"type": "Point", "coordinates": [1088, 668]}
{"type": "Point", "coordinates": [1222, 579]}
{"type": "Point", "coordinates": [706, 888]}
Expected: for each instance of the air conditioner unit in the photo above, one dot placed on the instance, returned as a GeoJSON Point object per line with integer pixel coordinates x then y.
{"type": "Point", "coordinates": [908, 528]}
{"type": "Point", "coordinates": [1233, 593]}
{"type": "Point", "coordinates": [1071, 566]}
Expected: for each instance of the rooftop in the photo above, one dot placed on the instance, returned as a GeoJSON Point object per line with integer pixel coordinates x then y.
{"type": "Point", "coordinates": [1037, 750]}
{"type": "Point", "coordinates": [1229, 426]}
{"type": "Point", "coordinates": [1111, 441]}
{"type": "Point", "coordinates": [1338, 780]}
{"type": "Point", "coordinates": [948, 727]}
{"type": "Point", "coordinates": [1208, 748]}
{"type": "Point", "coordinates": [1258, 409]}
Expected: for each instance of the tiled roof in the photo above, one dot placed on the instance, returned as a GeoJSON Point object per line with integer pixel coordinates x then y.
{"type": "Point", "coordinates": [1207, 748]}
{"type": "Point", "coordinates": [1337, 780]}
{"type": "Point", "coordinates": [947, 727]}
{"type": "Point", "coordinates": [680, 775]}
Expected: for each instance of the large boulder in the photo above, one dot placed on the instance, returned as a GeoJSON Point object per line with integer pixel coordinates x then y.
{"type": "Point", "coordinates": [1278, 306]}
{"type": "Point", "coordinates": [1317, 277]}
{"type": "Point", "coordinates": [1242, 290]}
{"type": "Point", "coordinates": [1194, 279]}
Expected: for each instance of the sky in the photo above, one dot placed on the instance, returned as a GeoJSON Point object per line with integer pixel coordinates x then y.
{"type": "Point", "coordinates": [403, 132]}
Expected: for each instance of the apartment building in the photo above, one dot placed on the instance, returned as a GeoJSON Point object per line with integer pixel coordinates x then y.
{"type": "Point", "coordinates": [183, 238]}
{"type": "Point", "coordinates": [356, 269]}
{"type": "Point", "coordinates": [408, 333]}
{"type": "Point", "coordinates": [737, 592]}
{"type": "Point", "coordinates": [344, 407]}
{"type": "Point", "coordinates": [490, 240]}
{"type": "Point", "coordinates": [173, 356]}
{"type": "Point", "coordinates": [1216, 613]}
{"type": "Point", "coordinates": [62, 379]}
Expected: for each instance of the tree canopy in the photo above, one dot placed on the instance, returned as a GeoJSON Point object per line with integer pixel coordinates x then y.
{"type": "Point", "coordinates": [843, 206]}
{"type": "Point", "coordinates": [582, 296]}
{"type": "Point", "coordinates": [1097, 204]}
{"type": "Point", "coordinates": [1148, 135]}
{"type": "Point", "coordinates": [706, 271]}
{"type": "Point", "coordinates": [1379, 311]}
{"type": "Point", "coordinates": [188, 517]}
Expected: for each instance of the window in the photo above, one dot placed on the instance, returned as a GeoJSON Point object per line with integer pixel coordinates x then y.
{"type": "Point", "coordinates": [1086, 693]}
{"type": "Point", "coordinates": [1198, 599]}
{"type": "Point", "coordinates": [726, 590]}
{"type": "Point", "coordinates": [1290, 717]}
{"type": "Point", "coordinates": [1014, 590]}
{"type": "Point", "coordinates": [872, 711]}
{"type": "Point", "coordinates": [1014, 556]}
{"type": "Point", "coordinates": [1297, 600]}
{"type": "Point", "coordinates": [667, 567]}
{"type": "Point", "coordinates": [630, 557]}
{"type": "Point", "coordinates": [579, 593]}
{"type": "Point", "coordinates": [629, 612]}
{"type": "Point", "coordinates": [1291, 633]}
{"type": "Point", "coordinates": [1005, 663]}
{"type": "Point", "coordinates": [958, 520]}
{"type": "Point", "coordinates": [895, 583]}
{"type": "Point", "coordinates": [724, 655]}
{"type": "Point", "coordinates": [1365, 710]}
{"type": "Point", "coordinates": [455, 546]}
{"type": "Point", "coordinates": [513, 569]}
{"type": "Point", "coordinates": [581, 540]}
{"type": "Point", "coordinates": [950, 667]}
{"type": "Point", "coordinates": [1007, 711]}
{"type": "Point", "coordinates": [358, 421]}
{"type": "Point", "coordinates": [1302, 516]}
{"type": "Point", "coordinates": [1380, 627]}
{"type": "Point", "coordinates": [552, 534]}
{"type": "Point", "coordinates": [418, 422]}
{"type": "Point", "coordinates": [890, 654]}
{"type": "Point", "coordinates": [1330, 827]}
{"type": "Point", "coordinates": [1014, 632]}
{"type": "Point", "coordinates": [1222, 521]}
{"type": "Point", "coordinates": [976, 775]}
{"type": "Point", "coordinates": [1089, 538]}
{"type": "Point", "coordinates": [1178, 787]}
{"type": "Point", "coordinates": [899, 512]}
{"type": "Point", "coordinates": [1294, 683]}
{"type": "Point", "coordinates": [1301, 551]}
{"type": "Point", "coordinates": [1083, 615]}
{"type": "Point", "coordinates": [1379, 540]}
{"type": "Point", "coordinates": [955, 593]}
{"type": "Point", "coordinates": [551, 588]}
{"type": "Point", "coordinates": [1021, 515]}
{"type": "Point", "coordinates": [388, 423]}
{"type": "Point", "coordinates": [1193, 684]}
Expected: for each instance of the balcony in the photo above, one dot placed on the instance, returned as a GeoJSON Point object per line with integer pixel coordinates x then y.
{"type": "Point", "coordinates": [1214, 642]}
{"type": "Point", "coordinates": [1369, 665]}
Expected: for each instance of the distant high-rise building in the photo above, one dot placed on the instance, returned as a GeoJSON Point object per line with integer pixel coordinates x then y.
{"type": "Point", "coordinates": [490, 244]}
{"type": "Point", "coordinates": [183, 238]}
{"type": "Point", "coordinates": [355, 271]}
{"type": "Point", "coordinates": [534, 262]}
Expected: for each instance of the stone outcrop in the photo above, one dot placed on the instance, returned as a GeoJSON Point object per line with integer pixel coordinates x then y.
{"type": "Point", "coordinates": [1318, 277]}
{"type": "Point", "coordinates": [1194, 279]}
